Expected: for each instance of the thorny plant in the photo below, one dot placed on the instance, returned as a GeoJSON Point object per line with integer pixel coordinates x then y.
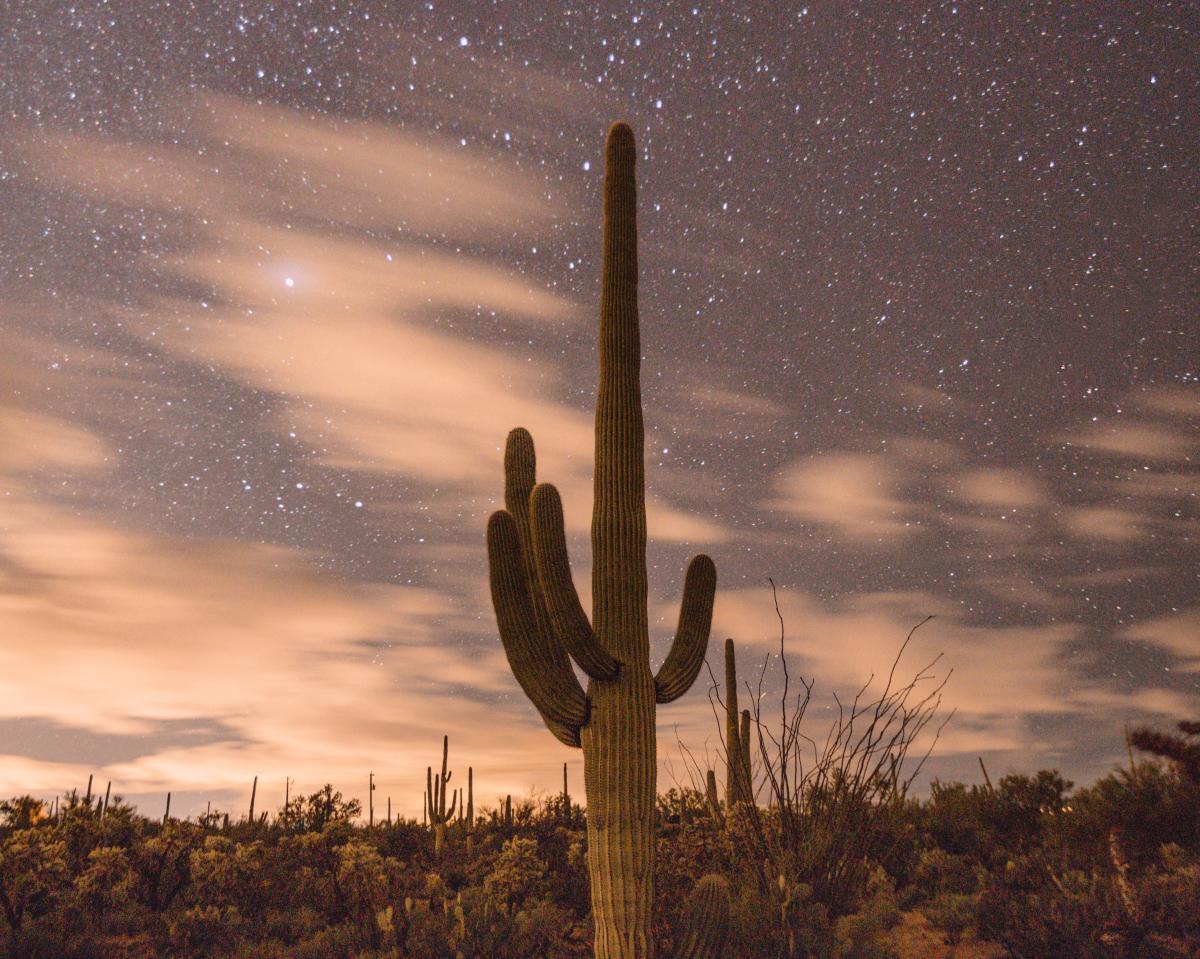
{"type": "Point", "coordinates": [828, 803]}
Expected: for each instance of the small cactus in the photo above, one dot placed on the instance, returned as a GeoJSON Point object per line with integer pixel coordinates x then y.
{"type": "Point", "coordinates": [738, 778]}
{"type": "Point", "coordinates": [711, 795]}
{"type": "Point", "coordinates": [435, 799]}
{"type": "Point", "coordinates": [706, 920]}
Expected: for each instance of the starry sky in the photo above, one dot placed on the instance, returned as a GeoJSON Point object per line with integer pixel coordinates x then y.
{"type": "Point", "coordinates": [919, 319]}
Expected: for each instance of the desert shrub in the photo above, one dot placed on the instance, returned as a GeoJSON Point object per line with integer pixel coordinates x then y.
{"type": "Point", "coordinates": [105, 883]}
{"type": "Point", "coordinates": [960, 820]}
{"type": "Point", "coordinates": [313, 813]}
{"type": "Point", "coordinates": [429, 933]}
{"type": "Point", "coordinates": [162, 863]}
{"type": "Point", "coordinates": [332, 942]}
{"type": "Point", "coordinates": [860, 934]}
{"type": "Point", "coordinates": [544, 929]}
{"type": "Point", "coordinates": [938, 872]}
{"type": "Point", "coordinates": [204, 931]}
{"type": "Point", "coordinates": [21, 812]}
{"type": "Point", "coordinates": [1149, 803]}
{"type": "Point", "coordinates": [564, 850]}
{"type": "Point", "coordinates": [1166, 897]}
{"type": "Point", "coordinates": [953, 913]}
{"type": "Point", "coordinates": [364, 882]}
{"type": "Point", "coordinates": [1036, 914]}
{"type": "Point", "coordinates": [749, 935]}
{"type": "Point", "coordinates": [517, 875]}
{"type": "Point", "coordinates": [34, 874]}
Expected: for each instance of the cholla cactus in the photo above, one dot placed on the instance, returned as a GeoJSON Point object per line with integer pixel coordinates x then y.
{"type": "Point", "coordinates": [542, 622]}
{"type": "Point", "coordinates": [435, 799]}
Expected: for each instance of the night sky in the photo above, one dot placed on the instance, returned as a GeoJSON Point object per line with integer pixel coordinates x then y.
{"type": "Point", "coordinates": [919, 318]}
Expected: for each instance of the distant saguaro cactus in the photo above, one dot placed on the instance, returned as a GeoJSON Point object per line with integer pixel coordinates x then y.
{"type": "Point", "coordinates": [710, 795]}
{"type": "Point", "coordinates": [542, 622]}
{"type": "Point", "coordinates": [738, 781]}
{"type": "Point", "coordinates": [470, 809]}
{"type": "Point", "coordinates": [435, 798]}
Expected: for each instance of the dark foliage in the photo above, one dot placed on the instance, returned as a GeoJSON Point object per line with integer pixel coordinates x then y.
{"type": "Point", "coordinates": [1040, 869]}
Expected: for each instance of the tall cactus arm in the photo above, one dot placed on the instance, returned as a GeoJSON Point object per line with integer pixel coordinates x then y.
{"type": "Point", "coordinates": [541, 670]}
{"type": "Point", "coordinates": [445, 757]}
{"type": "Point", "coordinates": [449, 815]}
{"type": "Point", "coordinates": [683, 663]}
{"type": "Point", "coordinates": [520, 475]}
{"type": "Point", "coordinates": [706, 920]}
{"type": "Point", "coordinates": [520, 470]}
{"type": "Point", "coordinates": [430, 803]}
{"type": "Point", "coordinates": [554, 574]}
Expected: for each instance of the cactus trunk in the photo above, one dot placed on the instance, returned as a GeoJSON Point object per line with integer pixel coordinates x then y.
{"type": "Point", "coordinates": [619, 754]}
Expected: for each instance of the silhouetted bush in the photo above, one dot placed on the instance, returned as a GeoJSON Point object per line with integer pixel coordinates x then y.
{"type": "Point", "coordinates": [1109, 870]}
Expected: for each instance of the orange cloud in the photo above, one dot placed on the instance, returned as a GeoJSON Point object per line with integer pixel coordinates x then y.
{"type": "Point", "coordinates": [1136, 440]}
{"type": "Point", "coordinates": [1004, 489]}
{"type": "Point", "coordinates": [856, 494]}
{"type": "Point", "coordinates": [1105, 523]}
{"type": "Point", "coordinates": [1177, 633]}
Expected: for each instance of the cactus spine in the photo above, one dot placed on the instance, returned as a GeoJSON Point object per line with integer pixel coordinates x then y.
{"type": "Point", "coordinates": [435, 798]}
{"type": "Point", "coordinates": [541, 620]}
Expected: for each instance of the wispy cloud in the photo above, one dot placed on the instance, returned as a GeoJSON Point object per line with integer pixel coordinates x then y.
{"type": "Point", "coordinates": [858, 495]}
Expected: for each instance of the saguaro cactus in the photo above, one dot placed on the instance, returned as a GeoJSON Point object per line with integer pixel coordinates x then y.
{"type": "Point", "coordinates": [706, 920]}
{"type": "Point", "coordinates": [710, 795]}
{"type": "Point", "coordinates": [435, 798]}
{"type": "Point", "coordinates": [470, 809]}
{"type": "Point", "coordinates": [738, 788]}
{"type": "Point", "coordinates": [541, 620]}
